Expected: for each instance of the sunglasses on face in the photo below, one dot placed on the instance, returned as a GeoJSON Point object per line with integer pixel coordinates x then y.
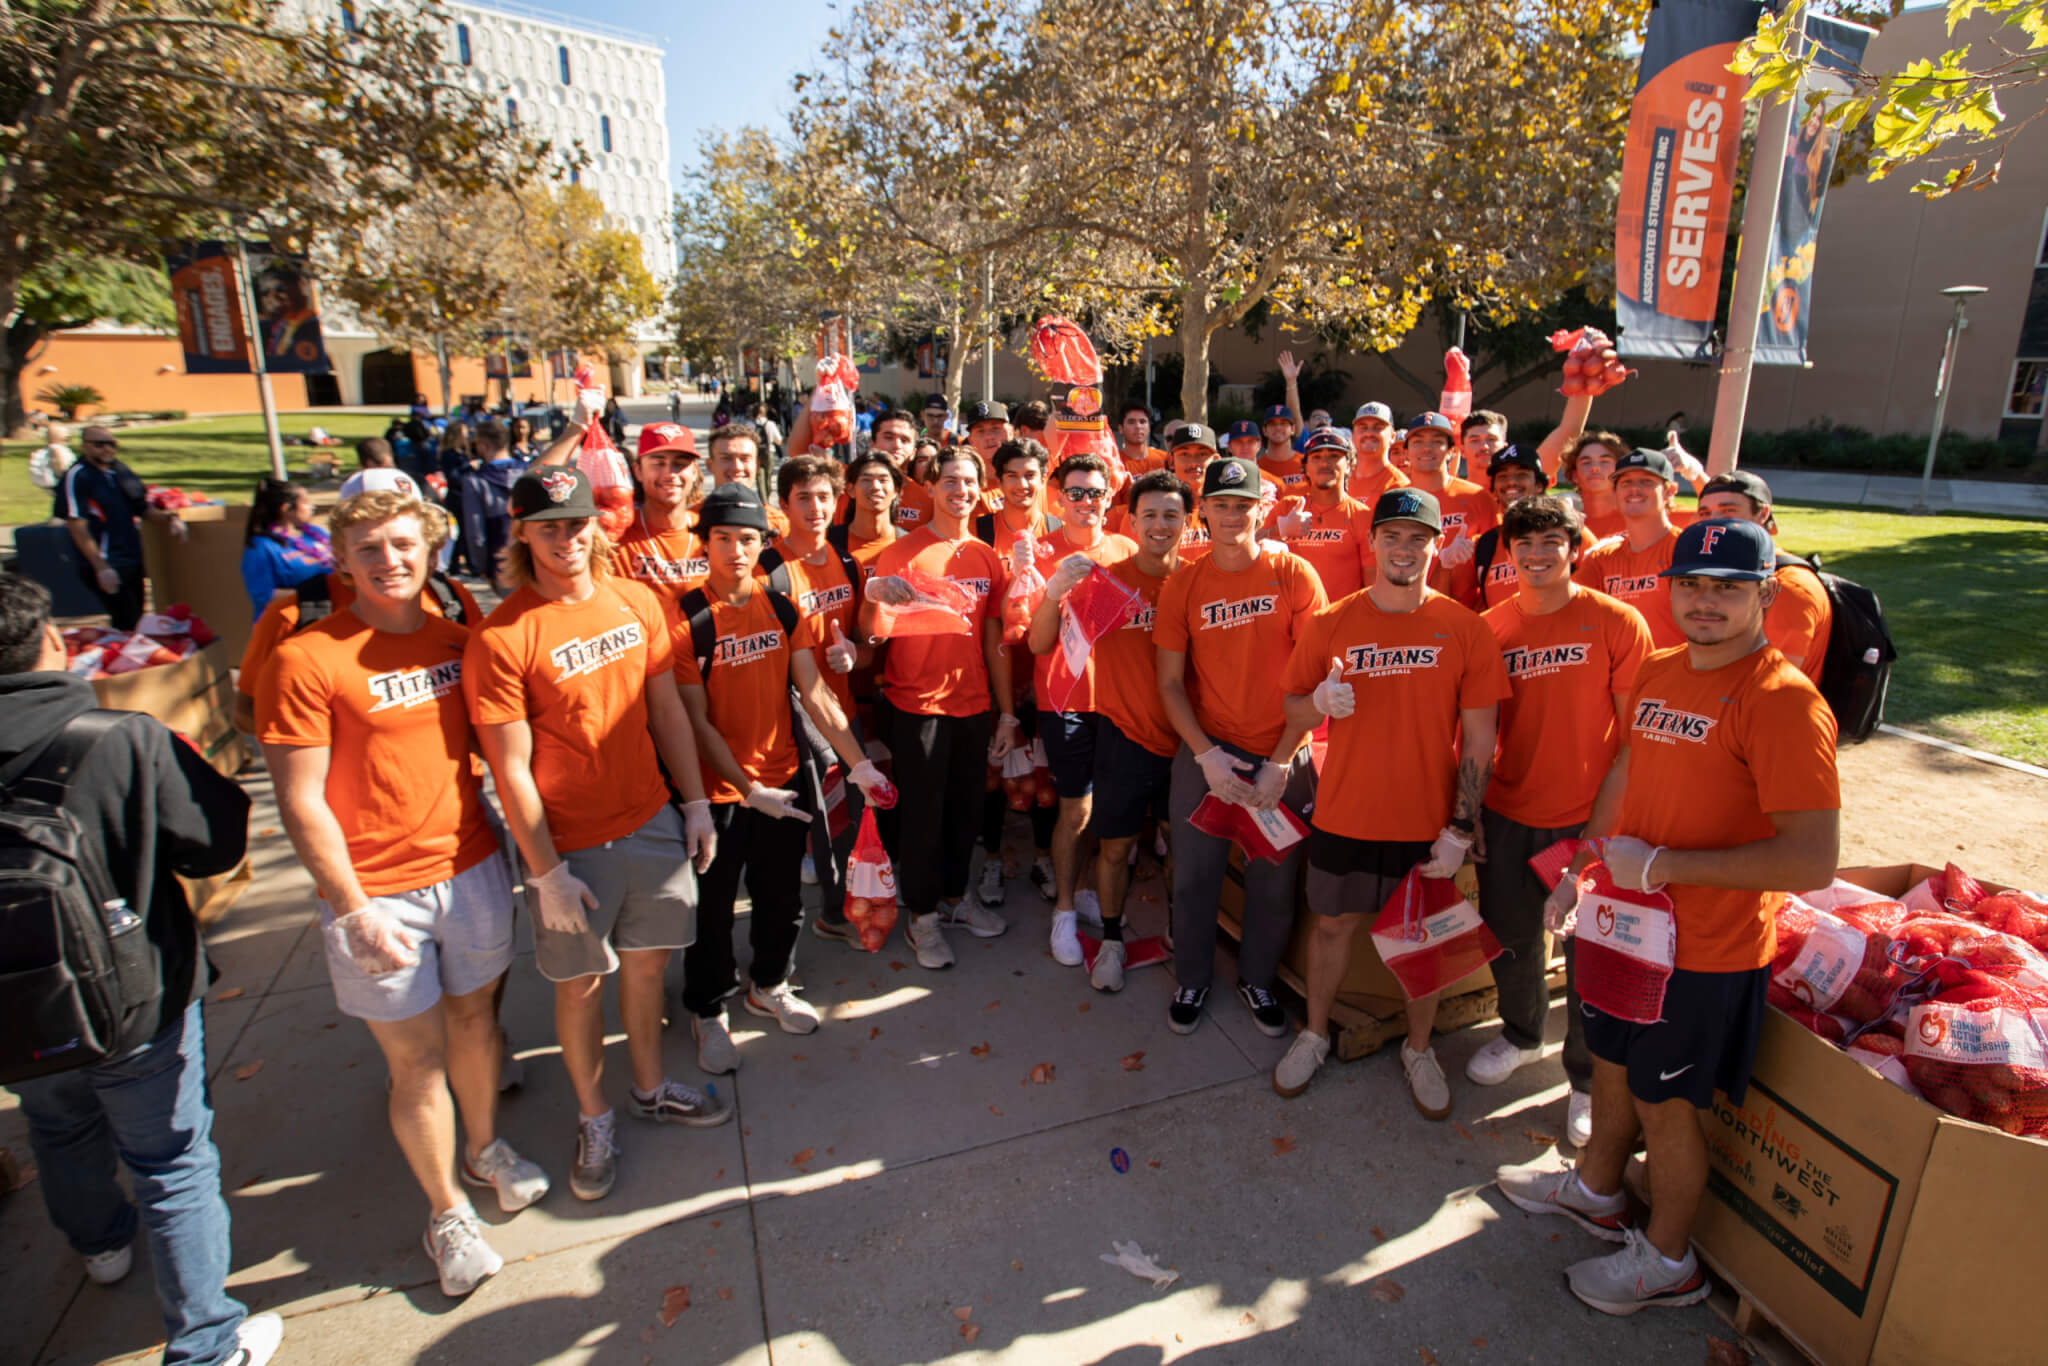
{"type": "Point", "coordinates": [1085, 495]}
{"type": "Point", "coordinates": [110, 444]}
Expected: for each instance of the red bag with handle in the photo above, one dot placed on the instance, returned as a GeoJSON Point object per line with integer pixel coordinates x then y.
{"type": "Point", "coordinates": [1430, 936]}
{"type": "Point", "coordinates": [1626, 948]}
{"type": "Point", "coordinates": [1261, 834]}
{"type": "Point", "coordinates": [611, 483]}
{"type": "Point", "coordinates": [1455, 402]}
{"type": "Point", "coordinates": [832, 401]}
{"type": "Point", "coordinates": [1096, 606]}
{"type": "Point", "coordinates": [942, 608]}
{"type": "Point", "coordinates": [870, 886]}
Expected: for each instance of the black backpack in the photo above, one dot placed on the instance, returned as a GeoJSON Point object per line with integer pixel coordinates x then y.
{"type": "Point", "coordinates": [320, 603]}
{"type": "Point", "coordinates": [985, 527]}
{"type": "Point", "coordinates": [1858, 666]}
{"type": "Point", "coordinates": [80, 980]}
{"type": "Point", "coordinates": [695, 608]}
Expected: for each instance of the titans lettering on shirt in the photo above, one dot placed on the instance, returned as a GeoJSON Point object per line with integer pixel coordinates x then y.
{"type": "Point", "coordinates": [1630, 585]}
{"type": "Point", "coordinates": [580, 656]}
{"type": "Point", "coordinates": [825, 599]}
{"type": "Point", "coordinates": [745, 649]}
{"type": "Point", "coordinates": [654, 569]}
{"type": "Point", "coordinates": [1498, 574]}
{"type": "Point", "coordinates": [1142, 621]}
{"type": "Point", "coordinates": [1195, 534]}
{"type": "Point", "coordinates": [1371, 659]}
{"type": "Point", "coordinates": [978, 587]}
{"type": "Point", "coordinates": [413, 687]}
{"type": "Point", "coordinates": [1320, 535]}
{"type": "Point", "coordinates": [1224, 615]}
{"type": "Point", "coordinates": [1668, 725]}
{"type": "Point", "coordinates": [1544, 659]}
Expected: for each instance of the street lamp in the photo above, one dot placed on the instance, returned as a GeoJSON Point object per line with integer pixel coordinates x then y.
{"type": "Point", "coordinates": [1961, 294]}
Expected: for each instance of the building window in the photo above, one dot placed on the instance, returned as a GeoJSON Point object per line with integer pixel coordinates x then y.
{"type": "Point", "coordinates": [562, 56]}
{"type": "Point", "coordinates": [2029, 396]}
{"type": "Point", "coordinates": [349, 22]}
{"type": "Point", "coordinates": [604, 130]}
{"type": "Point", "coordinates": [512, 112]}
{"type": "Point", "coordinates": [462, 43]}
{"type": "Point", "coordinates": [575, 176]}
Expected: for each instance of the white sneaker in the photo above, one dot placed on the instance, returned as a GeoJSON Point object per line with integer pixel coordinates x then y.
{"type": "Point", "coordinates": [110, 1268]}
{"type": "Point", "coordinates": [991, 889]}
{"type": "Point", "coordinates": [1637, 1277]}
{"type": "Point", "coordinates": [1088, 906]}
{"type": "Point", "coordinates": [781, 1004]}
{"type": "Point", "coordinates": [715, 1051]}
{"type": "Point", "coordinates": [456, 1243]}
{"type": "Point", "coordinates": [1426, 1082]}
{"type": "Point", "coordinates": [1578, 1119]}
{"type": "Point", "coordinates": [518, 1182]}
{"type": "Point", "coordinates": [1498, 1061]}
{"type": "Point", "coordinates": [256, 1340]}
{"type": "Point", "coordinates": [928, 941]}
{"type": "Point", "coordinates": [1298, 1068]}
{"type": "Point", "coordinates": [809, 871]}
{"type": "Point", "coordinates": [1066, 939]}
{"type": "Point", "coordinates": [978, 921]}
{"type": "Point", "coordinates": [1108, 972]}
{"type": "Point", "coordinates": [1555, 1192]}
{"type": "Point", "coordinates": [1043, 879]}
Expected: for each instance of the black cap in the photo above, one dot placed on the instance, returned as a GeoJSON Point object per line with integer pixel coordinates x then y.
{"type": "Point", "coordinates": [1244, 427]}
{"type": "Point", "coordinates": [552, 493]}
{"type": "Point", "coordinates": [1723, 548]}
{"type": "Point", "coordinates": [1518, 458]}
{"type": "Point", "coordinates": [985, 410]}
{"type": "Point", "coordinates": [1643, 458]}
{"type": "Point", "coordinates": [1233, 476]}
{"type": "Point", "coordinates": [1743, 482]}
{"type": "Point", "coordinates": [732, 505]}
{"type": "Point", "coordinates": [1327, 439]}
{"type": "Point", "coordinates": [1193, 434]}
{"type": "Point", "coordinates": [937, 401]}
{"type": "Point", "coordinates": [1408, 505]}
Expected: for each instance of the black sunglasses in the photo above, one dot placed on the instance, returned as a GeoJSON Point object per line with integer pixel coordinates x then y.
{"type": "Point", "coordinates": [1085, 495]}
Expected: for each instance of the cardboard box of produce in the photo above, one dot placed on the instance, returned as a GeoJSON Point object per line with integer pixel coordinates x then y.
{"type": "Point", "coordinates": [194, 697]}
{"type": "Point", "coordinates": [1867, 1225]}
{"type": "Point", "coordinates": [203, 571]}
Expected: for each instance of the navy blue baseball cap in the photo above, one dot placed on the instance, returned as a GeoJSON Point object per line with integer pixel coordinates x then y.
{"type": "Point", "coordinates": [1245, 427]}
{"type": "Point", "coordinates": [1723, 548]}
{"type": "Point", "coordinates": [1408, 505]}
{"type": "Point", "coordinates": [1279, 412]}
{"type": "Point", "coordinates": [1513, 457]}
{"type": "Point", "coordinates": [1434, 422]}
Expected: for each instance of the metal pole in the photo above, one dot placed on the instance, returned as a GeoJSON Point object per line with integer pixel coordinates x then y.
{"type": "Point", "coordinates": [1956, 323]}
{"type": "Point", "coordinates": [262, 372]}
{"type": "Point", "coordinates": [1148, 376]}
{"type": "Point", "coordinates": [1752, 280]}
{"type": "Point", "coordinates": [988, 327]}
{"type": "Point", "coordinates": [1460, 342]}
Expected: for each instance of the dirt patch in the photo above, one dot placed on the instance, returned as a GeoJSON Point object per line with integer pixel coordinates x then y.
{"type": "Point", "coordinates": [1904, 802]}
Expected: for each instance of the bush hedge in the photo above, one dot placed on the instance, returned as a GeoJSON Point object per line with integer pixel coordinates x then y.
{"type": "Point", "coordinates": [1836, 446]}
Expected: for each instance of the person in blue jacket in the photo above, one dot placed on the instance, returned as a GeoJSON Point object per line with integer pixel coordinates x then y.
{"type": "Point", "coordinates": [281, 547]}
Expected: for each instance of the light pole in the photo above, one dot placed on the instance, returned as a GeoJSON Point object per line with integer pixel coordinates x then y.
{"type": "Point", "coordinates": [1961, 294]}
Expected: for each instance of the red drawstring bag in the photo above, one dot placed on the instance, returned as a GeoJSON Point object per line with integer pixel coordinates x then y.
{"type": "Point", "coordinates": [1098, 605]}
{"type": "Point", "coordinates": [611, 483]}
{"type": "Point", "coordinates": [1261, 834]}
{"type": "Point", "coordinates": [1827, 963]}
{"type": "Point", "coordinates": [942, 608]}
{"type": "Point", "coordinates": [1627, 947]}
{"type": "Point", "coordinates": [870, 886]}
{"type": "Point", "coordinates": [1592, 366]}
{"type": "Point", "coordinates": [832, 401]}
{"type": "Point", "coordinates": [1455, 402]}
{"type": "Point", "coordinates": [1984, 1060]}
{"type": "Point", "coordinates": [1430, 936]}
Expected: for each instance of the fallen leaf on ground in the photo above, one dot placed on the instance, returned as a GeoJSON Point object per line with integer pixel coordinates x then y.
{"type": "Point", "coordinates": [647, 1334]}
{"type": "Point", "coordinates": [720, 1176]}
{"type": "Point", "coordinates": [830, 1151]}
{"type": "Point", "coordinates": [1016, 1266]}
{"type": "Point", "coordinates": [1387, 1292]}
{"type": "Point", "coordinates": [244, 1073]}
{"type": "Point", "coordinates": [840, 983]}
{"type": "Point", "coordinates": [796, 1057]}
{"type": "Point", "coordinates": [674, 1301]}
{"type": "Point", "coordinates": [980, 1050]}
{"type": "Point", "coordinates": [1428, 1357]}
{"type": "Point", "coordinates": [895, 965]}
{"type": "Point", "coordinates": [1722, 1352]}
{"type": "Point", "coordinates": [1479, 1342]}
{"type": "Point", "coordinates": [267, 831]}
{"type": "Point", "coordinates": [970, 1331]}
{"type": "Point", "coordinates": [964, 1312]}
{"type": "Point", "coordinates": [1379, 1234]}
{"type": "Point", "coordinates": [992, 1005]}
{"type": "Point", "coordinates": [230, 994]}
{"type": "Point", "coordinates": [1557, 1237]}
{"type": "Point", "coordinates": [725, 1292]}
{"type": "Point", "coordinates": [716, 1222]}
{"type": "Point", "coordinates": [1467, 1135]}
{"type": "Point", "coordinates": [1084, 1007]}
{"type": "Point", "coordinates": [875, 1032]}
{"type": "Point", "coordinates": [802, 1157]}
{"type": "Point", "coordinates": [1247, 1317]}
{"type": "Point", "coordinates": [996, 1111]}
{"type": "Point", "coordinates": [1041, 1074]}
{"type": "Point", "coordinates": [1152, 1162]}
{"type": "Point", "coordinates": [1538, 1136]}
{"type": "Point", "coordinates": [1134, 1062]}
{"type": "Point", "coordinates": [1283, 1145]}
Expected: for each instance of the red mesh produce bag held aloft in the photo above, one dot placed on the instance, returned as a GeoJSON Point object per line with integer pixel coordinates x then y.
{"type": "Point", "coordinates": [1455, 402]}
{"type": "Point", "coordinates": [1982, 1060]}
{"type": "Point", "coordinates": [870, 886]}
{"type": "Point", "coordinates": [1430, 936]}
{"type": "Point", "coordinates": [1626, 947]}
{"type": "Point", "coordinates": [1261, 834]}
{"type": "Point", "coordinates": [1096, 606]}
{"type": "Point", "coordinates": [611, 483]}
{"type": "Point", "coordinates": [1063, 353]}
{"type": "Point", "coordinates": [941, 608]}
{"type": "Point", "coordinates": [1592, 366]}
{"type": "Point", "coordinates": [832, 401]}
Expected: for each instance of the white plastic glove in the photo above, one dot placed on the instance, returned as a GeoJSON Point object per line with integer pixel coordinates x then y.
{"type": "Point", "coordinates": [1457, 551]}
{"type": "Point", "coordinates": [563, 898]}
{"type": "Point", "coordinates": [865, 776]}
{"type": "Point", "coordinates": [1220, 767]}
{"type": "Point", "coordinates": [890, 591]}
{"type": "Point", "coordinates": [1629, 861]}
{"type": "Point", "coordinates": [108, 579]}
{"type": "Point", "coordinates": [700, 836]}
{"type": "Point", "coordinates": [1447, 853]}
{"type": "Point", "coordinates": [1005, 739]}
{"type": "Point", "coordinates": [1684, 461]}
{"type": "Point", "coordinates": [841, 653]}
{"type": "Point", "coordinates": [1132, 1258]}
{"type": "Point", "coordinates": [588, 409]}
{"type": "Point", "coordinates": [1560, 908]}
{"type": "Point", "coordinates": [1333, 696]}
{"type": "Point", "coordinates": [1023, 551]}
{"type": "Point", "coordinates": [376, 943]}
{"type": "Point", "coordinates": [176, 525]}
{"type": "Point", "coordinates": [778, 802]}
{"type": "Point", "coordinates": [1269, 784]}
{"type": "Point", "coordinates": [1295, 518]}
{"type": "Point", "coordinates": [1068, 576]}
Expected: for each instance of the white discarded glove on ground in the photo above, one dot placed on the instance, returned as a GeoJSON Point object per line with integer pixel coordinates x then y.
{"type": "Point", "coordinates": [564, 898]}
{"type": "Point", "coordinates": [1132, 1258]}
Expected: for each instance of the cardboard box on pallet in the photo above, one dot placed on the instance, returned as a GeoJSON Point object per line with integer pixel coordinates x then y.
{"type": "Point", "coordinates": [1866, 1225]}
{"type": "Point", "coordinates": [194, 697]}
{"type": "Point", "coordinates": [203, 571]}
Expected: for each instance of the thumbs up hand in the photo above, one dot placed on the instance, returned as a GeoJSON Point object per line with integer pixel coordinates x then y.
{"type": "Point", "coordinates": [840, 654]}
{"type": "Point", "coordinates": [1023, 551]}
{"type": "Point", "coordinates": [1294, 518]}
{"type": "Point", "coordinates": [1457, 551]}
{"type": "Point", "coordinates": [1333, 696]}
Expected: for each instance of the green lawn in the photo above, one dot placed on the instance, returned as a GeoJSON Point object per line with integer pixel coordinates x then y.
{"type": "Point", "coordinates": [222, 457]}
{"type": "Point", "coordinates": [1966, 598]}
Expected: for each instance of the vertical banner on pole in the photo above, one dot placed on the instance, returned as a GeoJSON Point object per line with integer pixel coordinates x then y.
{"type": "Point", "coordinates": [287, 312]}
{"type": "Point", "coordinates": [1677, 177]}
{"type": "Point", "coordinates": [1809, 162]}
{"type": "Point", "coordinates": [210, 310]}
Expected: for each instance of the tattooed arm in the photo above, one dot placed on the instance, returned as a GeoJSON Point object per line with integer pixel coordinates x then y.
{"type": "Point", "coordinates": [1477, 727]}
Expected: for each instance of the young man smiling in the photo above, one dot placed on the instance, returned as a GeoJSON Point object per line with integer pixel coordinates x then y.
{"type": "Point", "coordinates": [1372, 439]}
{"type": "Point", "coordinates": [1467, 508]}
{"type": "Point", "coordinates": [1330, 529]}
{"type": "Point", "coordinates": [1630, 567]}
{"type": "Point", "coordinates": [659, 549]}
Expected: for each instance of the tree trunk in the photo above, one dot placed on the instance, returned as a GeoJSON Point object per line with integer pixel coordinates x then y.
{"type": "Point", "coordinates": [956, 357]}
{"type": "Point", "coordinates": [13, 412]}
{"type": "Point", "coordinates": [444, 364]}
{"type": "Point", "coordinates": [1194, 357]}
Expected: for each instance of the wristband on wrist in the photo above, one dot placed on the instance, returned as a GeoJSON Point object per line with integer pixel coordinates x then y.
{"type": "Point", "coordinates": [1648, 864]}
{"type": "Point", "coordinates": [1006, 719]}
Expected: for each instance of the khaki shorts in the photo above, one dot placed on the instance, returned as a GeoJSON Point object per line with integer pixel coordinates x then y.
{"type": "Point", "coordinates": [646, 892]}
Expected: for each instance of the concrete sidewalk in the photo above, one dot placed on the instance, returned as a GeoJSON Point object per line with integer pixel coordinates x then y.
{"type": "Point", "coordinates": [1903, 491]}
{"type": "Point", "coordinates": [893, 1189]}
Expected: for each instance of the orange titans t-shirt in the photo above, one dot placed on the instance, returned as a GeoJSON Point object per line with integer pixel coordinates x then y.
{"type": "Point", "coordinates": [1632, 576]}
{"type": "Point", "coordinates": [389, 708]}
{"type": "Point", "coordinates": [1235, 629]}
{"type": "Point", "coordinates": [747, 690]}
{"type": "Point", "coordinates": [1337, 545]}
{"type": "Point", "coordinates": [669, 562]}
{"type": "Point", "coordinates": [1367, 485]}
{"type": "Point", "coordinates": [1051, 549]}
{"type": "Point", "coordinates": [1152, 459]}
{"type": "Point", "coordinates": [281, 617]}
{"type": "Point", "coordinates": [943, 675]}
{"type": "Point", "coordinates": [1468, 506]}
{"type": "Point", "coordinates": [1558, 731]}
{"type": "Point", "coordinates": [1392, 768]}
{"type": "Point", "coordinates": [1798, 623]}
{"type": "Point", "coordinates": [1286, 472]}
{"type": "Point", "coordinates": [1711, 754]}
{"type": "Point", "coordinates": [826, 599]}
{"type": "Point", "coordinates": [577, 673]}
{"type": "Point", "coordinates": [1127, 669]}
{"type": "Point", "coordinates": [913, 506]}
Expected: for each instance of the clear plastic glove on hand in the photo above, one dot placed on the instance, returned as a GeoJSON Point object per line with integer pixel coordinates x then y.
{"type": "Point", "coordinates": [1629, 861]}
{"type": "Point", "coordinates": [778, 802]}
{"type": "Point", "coordinates": [1447, 853]}
{"type": "Point", "coordinates": [1221, 768]}
{"type": "Point", "coordinates": [700, 835]}
{"type": "Point", "coordinates": [1333, 696]}
{"type": "Point", "coordinates": [376, 943]}
{"type": "Point", "coordinates": [1560, 908]}
{"type": "Point", "coordinates": [1457, 551]}
{"type": "Point", "coordinates": [841, 653]}
{"type": "Point", "coordinates": [564, 898]}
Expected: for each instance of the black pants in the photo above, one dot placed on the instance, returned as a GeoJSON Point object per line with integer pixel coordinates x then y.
{"type": "Point", "coordinates": [939, 762]}
{"type": "Point", "coordinates": [829, 854]}
{"type": "Point", "coordinates": [769, 852]}
{"type": "Point", "coordinates": [1511, 903]}
{"type": "Point", "coordinates": [995, 806]}
{"type": "Point", "coordinates": [123, 606]}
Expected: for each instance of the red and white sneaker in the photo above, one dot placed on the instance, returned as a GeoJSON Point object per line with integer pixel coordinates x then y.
{"type": "Point", "coordinates": [1547, 1192]}
{"type": "Point", "coordinates": [1638, 1277]}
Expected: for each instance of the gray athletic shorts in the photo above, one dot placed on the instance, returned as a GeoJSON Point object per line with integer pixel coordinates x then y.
{"type": "Point", "coordinates": [647, 899]}
{"type": "Point", "coordinates": [465, 930]}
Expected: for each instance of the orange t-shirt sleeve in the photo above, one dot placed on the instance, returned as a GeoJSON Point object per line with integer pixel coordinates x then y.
{"type": "Point", "coordinates": [296, 706]}
{"type": "Point", "coordinates": [1309, 662]}
{"type": "Point", "coordinates": [809, 634]}
{"type": "Point", "coordinates": [1628, 645]}
{"type": "Point", "coordinates": [1305, 590]}
{"type": "Point", "coordinates": [1170, 623]}
{"type": "Point", "coordinates": [654, 619]}
{"type": "Point", "coordinates": [1794, 620]}
{"type": "Point", "coordinates": [271, 628]}
{"type": "Point", "coordinates": [493, 681]}
{"type": "Point", "coordinates": [1485, 680]}
{"type": "Point", "coordinates": [1788, 742]}
{"type": "Point", "coordinates": [687, 673]}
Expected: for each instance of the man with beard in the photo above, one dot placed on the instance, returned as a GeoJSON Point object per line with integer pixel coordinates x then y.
{"type": "Point", "coordinates": [1372, 434]}
{"type": "Point", "coordinates": [1329, 528]}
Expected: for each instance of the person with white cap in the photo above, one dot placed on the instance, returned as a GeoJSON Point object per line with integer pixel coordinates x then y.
{"type": "Point", "coordinates": [1372, 433]}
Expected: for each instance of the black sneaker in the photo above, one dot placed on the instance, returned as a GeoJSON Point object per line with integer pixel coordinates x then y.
{"type": "Point", "coordinates": [1186, 1011]}
{"type": "Point", "coordinates": [1265, 1009]}
{"type": "Point", "coordinates": [840, 930]}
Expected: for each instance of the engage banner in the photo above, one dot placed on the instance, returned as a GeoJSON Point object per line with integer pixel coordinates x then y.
{"type": "Point", "coordinates": [209, 302]}
{"type": "Point", "coordinates": [1809, 162]}
{"type": "Point", "coordinates": [1677, 178]}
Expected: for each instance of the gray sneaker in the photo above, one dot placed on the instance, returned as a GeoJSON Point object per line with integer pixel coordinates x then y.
{"type": "Point", "coordinates": [991, 889]}
{"type": "Point", "coordinates": [456, 1243]}
{"type": "Point", "coordinates": [977, 921]}
{"type": "Point", "coordinates": [518, 1182]}
{"type": "Point", "coordinates": [928, 941]}
{"type": "Point", "coordinates": [715, 1051]}
{"type": "Point", "coordinates": [1426, 1082]}
{"type": "Point", "coordinates": [1298, 1068]}
{"type": "Point", "coordinates": [675, 1103]}
{"type": "Point", "coordinates": [1553, 1192]}
{"type": "Point", "coordinates": [1108, 972]}
{"type": "Point", "coordinates": [597, 1157]}
{"type": "Point", "coordinates": [1637, 1278]}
